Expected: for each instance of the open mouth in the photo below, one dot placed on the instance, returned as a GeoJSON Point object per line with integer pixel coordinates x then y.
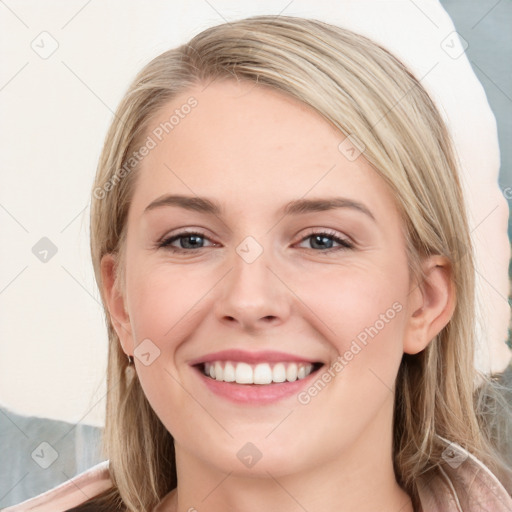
{"type": "Point", "coordinates": [238, 372]}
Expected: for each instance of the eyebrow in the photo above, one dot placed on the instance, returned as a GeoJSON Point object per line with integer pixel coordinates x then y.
{"type": "Point", "coordinates": [295, 207]}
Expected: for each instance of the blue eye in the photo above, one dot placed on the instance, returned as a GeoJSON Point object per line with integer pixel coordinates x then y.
{"type": "Point", "coordinates": [320, 239]}
{"type": "Point", "coordinates": [190, 241]}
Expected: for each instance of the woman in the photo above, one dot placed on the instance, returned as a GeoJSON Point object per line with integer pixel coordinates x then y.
{"type": "Point", "coordinates": [279, 235]}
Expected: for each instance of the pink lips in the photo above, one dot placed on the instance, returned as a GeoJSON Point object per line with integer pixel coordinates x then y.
{"type": "Point", "coordinates": [250, 357]}
{"type": "Point", "coordinates": [255, 394]}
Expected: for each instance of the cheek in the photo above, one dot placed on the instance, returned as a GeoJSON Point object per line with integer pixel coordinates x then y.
{"type": "Point", "coordinates": [360, 311]}
{"type": "Point", "coordinates": [163, 299]}
{"type": "Point", "coordinates": [363, 320]}
{"type": "Point", "coordinates": [351, 300]}
{"type": "Point", "coordinates": [162, 305]}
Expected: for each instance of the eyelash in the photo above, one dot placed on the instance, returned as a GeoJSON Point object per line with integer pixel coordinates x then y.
{"type": "Point", "coordinates": [165, 243]}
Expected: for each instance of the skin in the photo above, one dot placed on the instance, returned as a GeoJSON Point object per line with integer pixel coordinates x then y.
{"type": "Point", "coordinates": [254, 149]}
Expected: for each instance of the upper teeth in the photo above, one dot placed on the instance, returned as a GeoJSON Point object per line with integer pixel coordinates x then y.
{"type": "Point", "coordinates": [262, 373]}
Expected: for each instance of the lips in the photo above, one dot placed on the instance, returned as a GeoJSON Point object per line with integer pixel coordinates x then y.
{"type": "Point", "coordinates": [245, 356]}
{"type": "Point", "coordinates": [255, 378]}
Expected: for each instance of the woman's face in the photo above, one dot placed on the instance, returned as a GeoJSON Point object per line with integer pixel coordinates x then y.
{"type": "Point", "coordinates": [258, 278]}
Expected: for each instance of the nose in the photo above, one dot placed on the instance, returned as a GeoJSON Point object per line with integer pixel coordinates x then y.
{"type": "Point", "coordinates": [253, 297]}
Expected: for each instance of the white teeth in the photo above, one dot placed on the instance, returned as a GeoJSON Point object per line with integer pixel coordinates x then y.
{"type": "Point", "coordinates": [218, 371]}
{"type": "Point", "coordinates": [229, 372]}
{"type": "Point", "coordinates": [291, 373]}
{"type": "Point", "coordinates": [279, 373]}
{"type": "Point", "coordinates": [243, 373]}
{"type": "Point", "coordinates": [262, 373]}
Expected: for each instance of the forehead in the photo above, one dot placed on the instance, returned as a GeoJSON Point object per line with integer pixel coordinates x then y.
{"type": "Point", "coordinates": [249, 145]}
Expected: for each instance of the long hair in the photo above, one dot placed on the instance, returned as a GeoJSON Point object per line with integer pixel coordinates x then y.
{"type": "Point", "coordinates": [365, 92]}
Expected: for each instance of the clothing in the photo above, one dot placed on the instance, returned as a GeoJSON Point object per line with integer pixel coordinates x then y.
{"type": "Point", "coordinates": [463, 484]}
{"type": "Point", "coordinates": [69, 494]}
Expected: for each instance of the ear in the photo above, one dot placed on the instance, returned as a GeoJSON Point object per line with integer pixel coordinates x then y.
{"type": "Point", "coordinates": [116, 303]}
{"type": "Point", "coordinates": [431, 305]}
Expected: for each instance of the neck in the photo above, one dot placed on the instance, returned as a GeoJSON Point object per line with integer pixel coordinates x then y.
{"type": "Point", "coordinates": [317, 490]}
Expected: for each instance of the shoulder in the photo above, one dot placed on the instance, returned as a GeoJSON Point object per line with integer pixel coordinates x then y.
{"type": "Point", "coordinates": [70, 494]}
{"type": "Point", "coordinates": [463, 483]}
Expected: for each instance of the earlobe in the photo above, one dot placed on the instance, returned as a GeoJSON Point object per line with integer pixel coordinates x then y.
{"type": "Point", "coordinates": [431, 305]}
{"type": "Point", "coordinates": [115, 301]}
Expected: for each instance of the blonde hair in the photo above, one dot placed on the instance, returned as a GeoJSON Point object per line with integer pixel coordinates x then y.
{"type": "Point", "coordinates": [366, 92]}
